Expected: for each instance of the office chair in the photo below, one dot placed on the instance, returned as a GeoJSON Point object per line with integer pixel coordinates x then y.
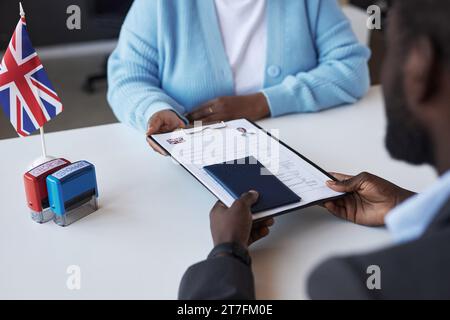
{"type": "Point", "coordinates": [109, 14]}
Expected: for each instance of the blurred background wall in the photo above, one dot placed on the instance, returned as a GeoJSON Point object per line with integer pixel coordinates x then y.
{"type": "Point", "coordinates": [101, 20]}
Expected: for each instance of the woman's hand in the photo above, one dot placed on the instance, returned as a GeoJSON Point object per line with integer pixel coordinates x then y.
{"type": "Point", "coordinates": [370, 198]}
{"type": "Point", "coordinates": [161, 122]}
{"type": "Point", "coordinates": [252, 107]}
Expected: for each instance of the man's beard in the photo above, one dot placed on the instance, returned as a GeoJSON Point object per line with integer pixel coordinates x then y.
{"type": "Point", "coordinates": [406, 138]}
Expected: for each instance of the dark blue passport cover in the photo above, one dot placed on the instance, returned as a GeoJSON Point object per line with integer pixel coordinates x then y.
{"type": "Point", "coordinates": [245, 174]}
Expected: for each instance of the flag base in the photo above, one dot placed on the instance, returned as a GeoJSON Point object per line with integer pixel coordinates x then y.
{"type": "Point", "coordinates": [40, 161]}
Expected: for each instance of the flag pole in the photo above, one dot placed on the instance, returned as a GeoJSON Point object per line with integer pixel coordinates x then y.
{"type": "Point", "coordinates": [22, 12]}
{"type": "Point", "coordinates": [44, 148]}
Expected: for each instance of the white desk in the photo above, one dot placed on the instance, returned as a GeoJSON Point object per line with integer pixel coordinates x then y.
{"type": "Point", "coordinates": [153, 221]}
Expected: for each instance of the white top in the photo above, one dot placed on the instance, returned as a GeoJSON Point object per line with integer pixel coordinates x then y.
{"type": "Point", "coordinates": [244, 33]}
{"type": "Point", "coordinates": [123, 249]}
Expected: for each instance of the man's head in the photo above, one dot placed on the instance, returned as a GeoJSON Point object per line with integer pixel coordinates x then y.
{"type": "Point", "coordinates": [416, 80]}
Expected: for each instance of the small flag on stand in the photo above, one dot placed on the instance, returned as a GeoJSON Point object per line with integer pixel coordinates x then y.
{"type": "Point", "coordinates": [26, 94]}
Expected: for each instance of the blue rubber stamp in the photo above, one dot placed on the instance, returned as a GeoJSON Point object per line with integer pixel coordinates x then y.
{"type": "Point", "coordinates": [72, 192]}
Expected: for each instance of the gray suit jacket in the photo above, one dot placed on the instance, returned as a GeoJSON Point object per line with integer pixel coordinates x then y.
{"type": "Point", "coordinates": [415, 270]}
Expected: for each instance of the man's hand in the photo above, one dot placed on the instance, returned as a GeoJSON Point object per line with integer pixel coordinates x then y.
{"type": "Point", "coordinates": [370, 198]}
{"type": "Point", "coordinates": [161, 122]}
{"type": "Point", "coordinates": [235, 224]}
{"type": "Point", "coordinates": [252, 107]}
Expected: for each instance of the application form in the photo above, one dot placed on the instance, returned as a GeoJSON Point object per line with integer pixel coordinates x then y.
{"type": "Point", "coordinates": [228, 141]}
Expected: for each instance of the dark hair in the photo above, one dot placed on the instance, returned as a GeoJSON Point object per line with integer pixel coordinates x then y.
{"type": "Point", "coordinates": [429, 18]}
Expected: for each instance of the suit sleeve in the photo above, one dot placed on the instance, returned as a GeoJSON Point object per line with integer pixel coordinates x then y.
{"type": "Point", "coordinates": [221, 278]}
{"type": "Point", "coordinates": [412, 270]}
{"type": "Point", "coordinates": [338, 279]}
{"type": "Point", "coordinates": [341, 75]}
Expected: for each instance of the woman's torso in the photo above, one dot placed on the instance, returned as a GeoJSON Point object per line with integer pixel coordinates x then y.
{"type": "Point", "coordinates": [193, 63]}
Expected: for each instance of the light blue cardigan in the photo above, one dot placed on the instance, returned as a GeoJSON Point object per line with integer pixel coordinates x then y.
{"type": "Point", "coordinates": [170, 55]}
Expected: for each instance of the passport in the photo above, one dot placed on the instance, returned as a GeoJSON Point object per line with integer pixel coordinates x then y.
{"type": "Point", "coordinates": [247, 174]}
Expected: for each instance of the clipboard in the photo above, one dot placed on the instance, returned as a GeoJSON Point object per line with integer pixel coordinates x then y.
{"type": "Point", "coordinates": [169, 142]}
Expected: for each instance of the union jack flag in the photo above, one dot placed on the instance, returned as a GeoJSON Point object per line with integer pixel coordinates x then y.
{"type": "Point", "coordinates": [26, 94]}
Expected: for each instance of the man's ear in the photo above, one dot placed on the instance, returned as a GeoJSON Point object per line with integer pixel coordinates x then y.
{"type": "Point", "coordinates": [419, 73]}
